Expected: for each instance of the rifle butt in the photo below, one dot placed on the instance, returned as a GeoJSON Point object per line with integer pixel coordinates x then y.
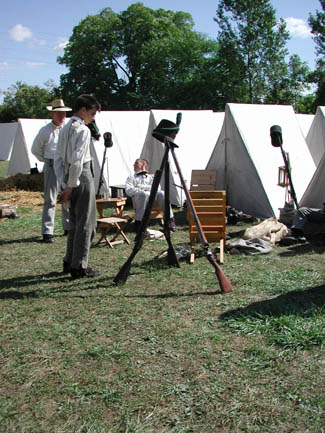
{"type": "Point", "coordinates": [172, 259]}
{"type": "Point", "coordinates": [123, 273]}
{"type": "Point", "coordinates": [224, 283]}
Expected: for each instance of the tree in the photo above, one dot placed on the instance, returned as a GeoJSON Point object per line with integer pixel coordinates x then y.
{"type": "Point", "coordinates": [22, 100]}
{"type": "Point", "coordinates": [255, 42]}
{"type": "Point", "coordinates": [138, 59]}
{"type": "Point", "coordinates": [317, 24]}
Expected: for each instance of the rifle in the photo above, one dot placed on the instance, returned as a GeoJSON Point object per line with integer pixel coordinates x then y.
{"type": "Point", "coordinates": [224, 283]}
{"type": "Point", "coordinates": [123, 273]}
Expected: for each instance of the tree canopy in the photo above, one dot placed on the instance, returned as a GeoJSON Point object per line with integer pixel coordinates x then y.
{"type": "Point", "coordinates": [138, 59]}
{"type": "Point", "coordinates": [317, 24]}
{"type": "Point", "coordinates": [22, 100]}
{"type": "Point", "coordinates": [256, 41]}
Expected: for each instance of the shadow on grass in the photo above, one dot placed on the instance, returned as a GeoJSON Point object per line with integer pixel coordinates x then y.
{"type": "Point", "coordinates": [28, 280]}
{"type": "Point", "coordinates": [302, 303]}
{"type": "Point", "coordinates": [174, 295]}
{"type": "Point", "coordinates": [21, 241]}
{"type": "Point", "coordinates": [315, 247]}
{"type": "Point", "coordinates": [42, 282]}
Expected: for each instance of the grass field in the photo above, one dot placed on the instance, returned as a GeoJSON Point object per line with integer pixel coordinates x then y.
{"type": "Point", "coordinates": [3, 169]}
{"type": "Point", "coordinates": [167, 351]}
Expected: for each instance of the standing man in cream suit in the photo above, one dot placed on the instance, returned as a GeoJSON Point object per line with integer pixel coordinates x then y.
{"type": "Point", "coordinates": [44, 148]}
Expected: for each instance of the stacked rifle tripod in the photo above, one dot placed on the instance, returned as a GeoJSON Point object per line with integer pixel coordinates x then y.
{"type": "Point", "coordinates": [172, 259]}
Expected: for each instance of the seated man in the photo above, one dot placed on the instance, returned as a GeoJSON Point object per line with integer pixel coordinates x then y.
{"type": "Point", "coordinates": [138, 186]}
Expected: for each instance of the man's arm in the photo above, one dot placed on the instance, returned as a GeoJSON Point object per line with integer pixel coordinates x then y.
{"type": "Point", "coordinates": [82, 140]}
{"type": "Point", "coordinates": [39, 144]}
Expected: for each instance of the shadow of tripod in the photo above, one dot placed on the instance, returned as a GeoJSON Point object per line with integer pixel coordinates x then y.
{"type": "Point", "coordinates": [172, 259]}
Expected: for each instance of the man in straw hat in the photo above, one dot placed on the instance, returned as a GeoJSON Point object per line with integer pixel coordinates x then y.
{"type": "Point", "coordinates": [44, 147]}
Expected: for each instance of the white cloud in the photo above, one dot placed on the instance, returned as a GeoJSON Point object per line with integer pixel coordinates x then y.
{"type": "Point", "coordinates": [35, 64]}
{"type": "Point", "coordinates": [61, 43]}
{"type": "Point", "coordinates": [4, 66]}
{"type": "Point", "coordinates": [19, 33]}
{"type": "Point", "coordinates": [298, 27]}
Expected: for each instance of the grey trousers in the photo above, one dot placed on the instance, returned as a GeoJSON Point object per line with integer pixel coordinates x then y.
{"type": "Point", "coordinates": [82, 220]}
{"type": "Point", "coordinates": [51, 190]}
{"type": "Point", "coordinates": [140, 200]}
{"type": "Point", "coordinates": [307, 214]}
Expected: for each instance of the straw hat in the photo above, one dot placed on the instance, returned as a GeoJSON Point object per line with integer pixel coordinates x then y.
{"type": "Point", "coordinates": [58, 105]}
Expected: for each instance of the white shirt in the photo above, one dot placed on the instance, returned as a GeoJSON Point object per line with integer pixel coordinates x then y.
{"type": "Point", "coordinates": [73, 150]}
{"type": "Point", "coordinates": [45, 142]}
{"type": "Point", "coordinates": [138, 182]}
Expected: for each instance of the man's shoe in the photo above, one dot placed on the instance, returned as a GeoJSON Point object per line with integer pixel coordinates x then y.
{"type": "Point", "coordinates": [172, 225]}
{"type": "Point", "coordinates": [66, 267]}
{"type": "Point", "coordinates": [48, 239]}
{"type": "Point", "coordinates": [81, 273]}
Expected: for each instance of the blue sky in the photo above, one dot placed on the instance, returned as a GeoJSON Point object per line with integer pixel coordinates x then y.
{"type": "Point", "coordinates": [33, 32]}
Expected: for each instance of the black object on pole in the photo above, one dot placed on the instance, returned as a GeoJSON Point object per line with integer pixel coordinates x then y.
{"type": "Point", "coordinates": [276, 140]}
{"type": "Point", "coordinates": [107, 143]}
{"type": "Point", "coordinates": [122, 275]}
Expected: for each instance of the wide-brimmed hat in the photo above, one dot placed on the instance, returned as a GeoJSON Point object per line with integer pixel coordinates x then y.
{"type": "Point", "coordinates": [58, 105]}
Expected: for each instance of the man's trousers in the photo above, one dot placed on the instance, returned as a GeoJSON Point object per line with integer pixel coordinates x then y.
{"type": "Point", "coordinates": [140, 200]}
{"type": "Point", "coordinates": [82, 220]}
{"type": "Point", "coordinates": [51, 189]}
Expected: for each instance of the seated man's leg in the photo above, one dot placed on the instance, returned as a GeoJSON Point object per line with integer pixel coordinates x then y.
{"type": "Point", "coordinates": [160, 201]}
{"type": "Point", "coordinates": [140, 200]}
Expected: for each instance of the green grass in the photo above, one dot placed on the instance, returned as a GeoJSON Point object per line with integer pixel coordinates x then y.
{"type": "Point", "coordinates": [3, 169]}
{"type": "Point", "coordinates": [167, 351]}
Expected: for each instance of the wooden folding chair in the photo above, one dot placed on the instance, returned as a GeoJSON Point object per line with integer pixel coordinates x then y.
{"type": "Point", "coordinates": [210, 206]}
{"type": "Point", "coordinates": [105, 225]}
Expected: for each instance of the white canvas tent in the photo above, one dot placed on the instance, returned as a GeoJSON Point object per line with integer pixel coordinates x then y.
{"type": "Point", "coordinates": [22, 159]}
{"type": "Point", "coordinates": [305, 121]}
{"type": "Point", "coordinates": [247, 164]}
{"type": "Point", "coordinates": [128, 129]}
{"type": "Point", "coordinates": [196, 138]}
{"type": "Point", "coordinates": [316, 135]}
{"type": "Point", "coordinates": [7, 137]}
{"type": "Point", "coordinates": [314, 195]}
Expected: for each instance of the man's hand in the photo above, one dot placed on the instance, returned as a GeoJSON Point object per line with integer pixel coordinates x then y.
{"type": "Point", "coordinates": [65, 195]}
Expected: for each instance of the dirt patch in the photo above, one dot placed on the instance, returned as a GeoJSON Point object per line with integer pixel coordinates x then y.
{"type": "Point", "coordinates": [26, 182]}
{"type": "Point", "coordinates": [21, 198]}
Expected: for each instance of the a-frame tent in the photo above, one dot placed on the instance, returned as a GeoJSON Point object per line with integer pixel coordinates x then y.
{"type": "Point", "coordinates": [314, 195]}
{"type": "Point", "coordinates": [7, 138]}
{"type": "Point", "coordinates": [305, 121]}
{"type": "Point", "coordinates": [247, 164]}
{"type": "Point", "coordinates": [22, 159]}
{"type": "Point", "coordinates": [198, 133]}
{"type": "Point", "coordinates": [128, 129]}
{"type": "Point", "coordinates": [316, 136]}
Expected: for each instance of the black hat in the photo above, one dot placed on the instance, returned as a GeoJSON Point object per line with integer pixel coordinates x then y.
{"type": "Point", "coordinates": [166, 126]}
